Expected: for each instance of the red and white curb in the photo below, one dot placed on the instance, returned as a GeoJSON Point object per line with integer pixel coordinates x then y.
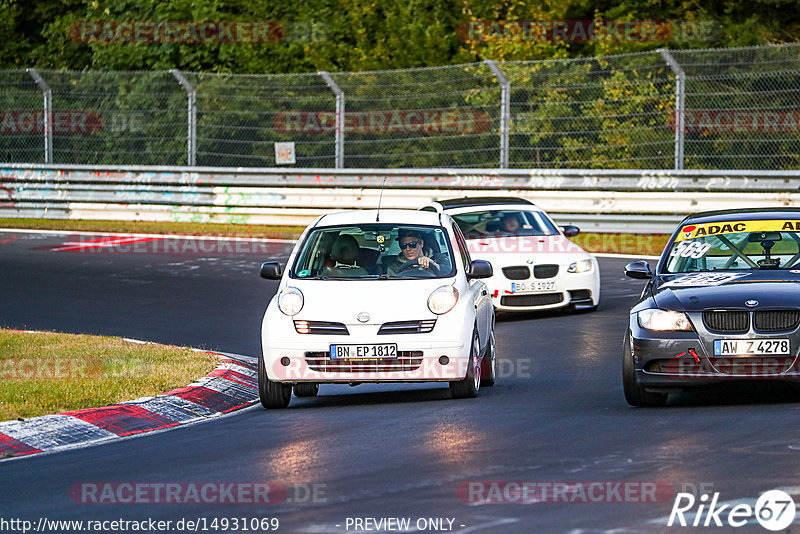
{"type": "Point", "coordinates": [232, 385]}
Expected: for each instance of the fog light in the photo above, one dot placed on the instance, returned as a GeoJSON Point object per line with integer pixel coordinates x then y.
{"type": "Point", "coordinates": [285, 361]}
{"type": "Point", "coordinates": [444, 360]}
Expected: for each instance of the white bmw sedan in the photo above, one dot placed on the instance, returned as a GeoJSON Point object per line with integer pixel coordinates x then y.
{"type": "Point", "coordinates": [377, 296]}
{"type": "Point", "coordinates": [536, 266]}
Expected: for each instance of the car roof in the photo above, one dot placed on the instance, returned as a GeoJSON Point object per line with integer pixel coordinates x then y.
{"type": "Point", "coordinates": [743, 215]}
{"type": "Point", "coordinates": [388, 216]}
{"type": "Point", "coordinates": [465, 202]}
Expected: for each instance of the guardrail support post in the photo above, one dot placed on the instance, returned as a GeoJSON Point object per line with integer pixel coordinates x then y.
{"type": "Point", "coordinates": [339, 153]}
{"type": "Point", "coordinates": [505, 111]}
{"type": "Point", "coordinates": [48, 114]}
{"type": "Point", "coordinates": [680, 95]}
{"type": "Point", "coordinates": [191, 95]}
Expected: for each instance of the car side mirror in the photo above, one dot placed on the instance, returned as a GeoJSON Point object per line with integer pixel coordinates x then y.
{"type": "Point", "coordinates": [638, 269]}
{"type": "Point", "coordinates": [479, 269]}
{"type": "Point", "coordinates": [271, 270]}
{"type": "Point", "coordinates": [570, 230]}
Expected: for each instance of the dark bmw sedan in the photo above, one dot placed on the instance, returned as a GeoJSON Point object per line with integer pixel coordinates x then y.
{"type": "Point", "coordinates": [722, 304]}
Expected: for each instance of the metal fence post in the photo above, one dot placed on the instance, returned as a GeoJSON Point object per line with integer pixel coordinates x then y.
{"type": "Point", "coordinates": [339, 154]}
{"type": "Point", "coordinates": [48, 114]}
{"type": "Point", "coordinates": [191, 95]}
{"type": "Point", "coordinates": [680, 95]}
{"type": "Point", "coordinates": [505, 111]}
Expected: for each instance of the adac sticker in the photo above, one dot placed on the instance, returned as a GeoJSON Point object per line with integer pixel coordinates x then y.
{"type": "Point", "coordinates": [704, 279]}
{"type": "Point", "coordinates": [692, 231]}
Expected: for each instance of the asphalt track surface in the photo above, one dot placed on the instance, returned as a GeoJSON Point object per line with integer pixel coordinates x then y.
{"type": "Point", "coordinates": [557, 413]}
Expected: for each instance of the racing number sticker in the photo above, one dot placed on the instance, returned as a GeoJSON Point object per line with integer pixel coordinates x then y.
{"type": "Point", "coordinates": [690, 249]}
{"type": "Point", "coordinates": [704, 279]}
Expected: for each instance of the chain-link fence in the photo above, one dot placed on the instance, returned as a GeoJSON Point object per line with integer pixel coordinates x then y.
{"type": "Point", "coordinates": [666, 109]}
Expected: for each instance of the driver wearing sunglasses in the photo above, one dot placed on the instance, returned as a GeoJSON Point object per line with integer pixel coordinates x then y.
{"type": "Point", "coordinates": [411, 249]}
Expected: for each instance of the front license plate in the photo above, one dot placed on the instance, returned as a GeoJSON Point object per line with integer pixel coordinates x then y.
{"type": "Point", "coordinates": [358, 352]}
{"type": "Point", "coordinates": [532, 287]}
{"type": "Point", "coordinates": [751, 347]}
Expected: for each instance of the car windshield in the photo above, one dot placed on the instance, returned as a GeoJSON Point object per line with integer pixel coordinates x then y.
{"type": "Point", "coordinates": [735, 246]}
{"type": "Point", "coordinates": [373, 251]}
{"type": "Point", "coordinates": [498, 223]}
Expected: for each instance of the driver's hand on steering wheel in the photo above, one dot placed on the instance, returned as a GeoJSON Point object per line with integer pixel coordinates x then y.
{"type": "Point", "coordinates": [425, 262]}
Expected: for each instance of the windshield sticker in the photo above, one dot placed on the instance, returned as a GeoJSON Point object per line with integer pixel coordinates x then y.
{"type": "Point", "coordinates": [704, 279]}
{"type": "Point", "coordinates": [693, 231]}
{"type": "Point", "coordinates": [690, 249]}
{"type": "Point", "coordinates": [303, 273]}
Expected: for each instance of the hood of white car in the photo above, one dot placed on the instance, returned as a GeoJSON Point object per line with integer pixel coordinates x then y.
{"type": "Point", "coordinates": [518, 250]}
{"type": "Point", "coordinates": [382, 300]}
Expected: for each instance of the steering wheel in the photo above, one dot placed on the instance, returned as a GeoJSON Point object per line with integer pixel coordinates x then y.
{"type": "Point", "coordinates": [414, 264]}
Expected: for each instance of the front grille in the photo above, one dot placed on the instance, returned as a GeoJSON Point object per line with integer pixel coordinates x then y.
{"type": "Point", "coordinates": [407, 360]}
{"type": "Point", "coordinates": [407, 327]}
{"type": "Point", "coordinates": [321, 327]}
{"type": "Point", "coordinates": [776, 320]}
{"type": "Point", "coordinates": [545, 271]}
{"type": "Point", "coordinates": [542, 299]}
{"type": "Point", "coordinates": [727, 321]}
{"type": "Point", "coordinates": [519, 272]}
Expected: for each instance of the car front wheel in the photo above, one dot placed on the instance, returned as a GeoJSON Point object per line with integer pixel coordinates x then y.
{"type": "Point", "coordinates": [469, 386]}
{"type": "Point", "coordinates": [272, 394]}
{"type": "Point", "coordinates": [635, 394]}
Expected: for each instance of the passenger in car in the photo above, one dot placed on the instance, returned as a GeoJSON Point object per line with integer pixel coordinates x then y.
{"type": "Point", "coordinates": [345, 254]}
{"type": "Point", "coordinates": [510, 224]}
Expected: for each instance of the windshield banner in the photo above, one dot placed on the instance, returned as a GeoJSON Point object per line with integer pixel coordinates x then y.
{"type": "Point", "coordinates": [692, 231]}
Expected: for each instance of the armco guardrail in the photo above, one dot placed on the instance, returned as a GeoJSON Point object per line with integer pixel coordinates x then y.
{"type": "Point", "coordinates": [600, 200]}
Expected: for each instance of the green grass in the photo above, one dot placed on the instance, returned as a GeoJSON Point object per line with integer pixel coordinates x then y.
{"type": "Point", "coordinates": [45, 373]}
{"type": "Point", "coordinates": [633, 244]}
{"type": "Point", "coordinates": [636, 244]}
{"type": "Point", "coordinates": [147, 227]}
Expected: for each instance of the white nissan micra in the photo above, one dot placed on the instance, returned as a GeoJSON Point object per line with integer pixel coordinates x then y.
{"type": "Point", "coordinates": [377, 296]}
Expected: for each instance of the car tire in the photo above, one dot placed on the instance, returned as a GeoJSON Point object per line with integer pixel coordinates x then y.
{"type": "Point", "coordinates": [469, 386]}
{"type": "Point", "coordinates": [635, 394]}
{"type": "Point", "coordinates": [306, 389]}
{"type": "Point", "coordinates": [489, 363]}
{"type": "Point", "coordinates": [272, 394]}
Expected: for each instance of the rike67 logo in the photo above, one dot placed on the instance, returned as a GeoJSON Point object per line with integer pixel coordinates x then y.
{"type": "Point", "coordinates": [774, 510]}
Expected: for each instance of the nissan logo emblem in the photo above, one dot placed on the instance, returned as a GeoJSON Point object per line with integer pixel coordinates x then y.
{"type": "Point", "coordinates": [363, 317]}
{"type": "Point", "coordinates": [751, 303]}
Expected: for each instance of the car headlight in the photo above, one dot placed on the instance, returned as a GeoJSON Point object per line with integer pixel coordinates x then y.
{"type": "Point", "coordinates": [443, 299]}
{"type": "Point", "coordinates": [653, 319]}
{"type": "Point", "coordinates": [290, 301]}
{"type": "Point", "coordinates": [580, 266]}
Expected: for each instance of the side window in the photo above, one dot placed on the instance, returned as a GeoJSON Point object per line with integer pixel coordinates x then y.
{"type": "Point", "coordinates": [462, 247]}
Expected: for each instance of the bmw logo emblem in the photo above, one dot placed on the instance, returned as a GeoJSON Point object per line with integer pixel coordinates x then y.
{"type": "Point", "coordinates": [751, 303]}
{"type": "Point", "coordinates": [363, 317]}
{"type": "Point", "coordinates": [530, 262]}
